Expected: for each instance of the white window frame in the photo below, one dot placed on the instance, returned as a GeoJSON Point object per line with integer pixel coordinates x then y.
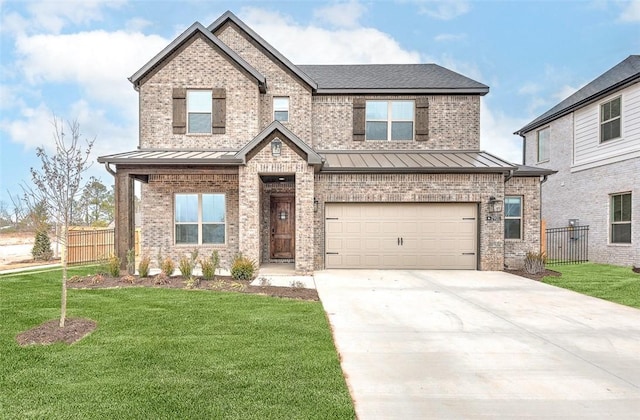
{"type": "Point", "coordinates": [199, 222]}
{"type": "Point", "coordinates": [281, 108]}
{"type": "Point", "coordinates": [543, 139]}
{"type": "Point", "coordinates": [519, 217]}
{"type": "Point", "coordinates": [610, 119]}
{"type": "Point", "coordinates": [390, 121]}
{"type": "Point", "coordinates": [190, 91]}
{"type": "Point", "coordinates": [613, 222]}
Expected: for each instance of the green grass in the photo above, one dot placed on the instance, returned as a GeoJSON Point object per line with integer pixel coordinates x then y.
{"type": "Point", "coordinates": [616, 284]}
{"type": "Point", "coordinates": [168, 354]}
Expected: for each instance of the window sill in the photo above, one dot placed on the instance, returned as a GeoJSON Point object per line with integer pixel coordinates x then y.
{"type": "Point", "coordinates": [620, 245]}
{"type": "Point", "coordinates": [543, 161]}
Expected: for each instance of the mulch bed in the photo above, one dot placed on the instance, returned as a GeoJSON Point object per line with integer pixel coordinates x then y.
{"type": "Point", "coordinates": [538, 277]}
{"type": "Point", "coordinates": [50, 332]}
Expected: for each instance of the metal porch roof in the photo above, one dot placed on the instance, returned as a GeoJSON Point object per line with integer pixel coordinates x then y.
{"type": "Point", "coordinates": [173, 157]}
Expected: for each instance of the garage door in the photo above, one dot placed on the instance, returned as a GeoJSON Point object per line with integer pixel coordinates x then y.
{"type": "Point", "coordinates": [407, 235]}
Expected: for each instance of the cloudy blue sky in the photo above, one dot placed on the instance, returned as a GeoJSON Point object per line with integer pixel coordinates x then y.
{"type": "Point", "coordinates": [72, 58]}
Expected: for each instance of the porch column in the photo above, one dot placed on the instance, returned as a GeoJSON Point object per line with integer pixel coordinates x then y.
{"type": "Point", "coordinates": [249, 213]}
{"type": "Point", "coordinates": [305, 221]}
{"type": "Point", "coordinates": [124, 216]}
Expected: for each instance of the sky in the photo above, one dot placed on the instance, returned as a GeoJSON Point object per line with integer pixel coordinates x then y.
{"type": "Point", "coordinates": [71, 59]}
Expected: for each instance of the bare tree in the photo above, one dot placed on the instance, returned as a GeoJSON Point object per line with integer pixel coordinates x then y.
{"type": "Point", "coordinates": [19, 209]}
{"type": "Point", "coordinates": [57, 184]}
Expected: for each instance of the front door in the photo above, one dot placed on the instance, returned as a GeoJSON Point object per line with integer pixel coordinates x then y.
{"type": "Point", "coordinates": [283, 227]}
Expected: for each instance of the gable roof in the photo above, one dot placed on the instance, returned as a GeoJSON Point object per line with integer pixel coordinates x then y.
{"type": "Point", "coordinates": [228, 16]}
{"type": "Point", "coordinates": [396, 78]}
{"type": "Point", "coordinates": [623, 74]}
{"type": "Point", "coordinates": [196, 28]}
{"type": "Point", "coordinates": [313, 158]}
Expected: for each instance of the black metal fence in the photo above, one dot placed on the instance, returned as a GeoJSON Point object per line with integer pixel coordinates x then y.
{"type": "Point", "coordinates": [567, 245]}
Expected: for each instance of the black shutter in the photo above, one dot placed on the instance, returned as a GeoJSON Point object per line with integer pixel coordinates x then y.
{"type": "Point", "coordinates": [179, 110]}
{"type": "Point", "coordinates": [359, 109]}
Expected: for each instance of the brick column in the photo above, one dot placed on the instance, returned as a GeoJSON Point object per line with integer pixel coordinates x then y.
{"type": "Point", "coordinates": [249, 212]}
{"type": "Point", "coordinates": [304, 221]}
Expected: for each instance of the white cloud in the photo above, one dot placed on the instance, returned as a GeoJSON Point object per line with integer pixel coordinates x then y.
{"type": "Point", "coordinates": [495, 134]}
{"type": "Point", "coordinates": [444, 10]}
{"type": "Point", "coordinates": [314, 45]}
{"type": "Point", "coordinates": [98, 62]}
{"type": "Point", "coordinates": [449, 37]}
{"type": "Point", "coordinates": [564, 92]}
{"type": "Point", "coordinates": [631, 13]}
{"type": "Point", "coordinates": [342, 15]}
{"type": "Point", "coordinates": [52, 16]}
{"type": "Point", "coordinates": [529, 88]}
{"type": "Point", "coordinates": [136, 24]}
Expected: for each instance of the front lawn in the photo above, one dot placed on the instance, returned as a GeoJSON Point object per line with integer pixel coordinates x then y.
{"type": "Point", "coordinates": [168, 354]}
{"type": "Point", "coordinates": [616, 284]}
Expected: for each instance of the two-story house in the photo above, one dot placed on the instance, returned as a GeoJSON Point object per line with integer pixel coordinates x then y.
{"type": "Point", "coordinates": [325, 166]}
{"type": "Point", "coordinates": [592, 139]}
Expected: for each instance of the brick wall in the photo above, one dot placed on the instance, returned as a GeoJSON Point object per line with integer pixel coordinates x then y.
{"type": "Point", "coordinates": [198, 64]}
{"type": "Point", "coordinates": [158, 214]}
{"type": "Point", "coordinates": [454, 124]}
{"type": "Point", "coordinates": [397, 188]}
{"type": "Point", "coordinates": [515, 250]}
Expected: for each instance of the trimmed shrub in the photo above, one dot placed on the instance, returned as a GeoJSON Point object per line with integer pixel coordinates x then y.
{"type": "Point", "coordinates": [168, 266]}
{"type": "Point", "coordinates": [113, 266]}
{"type": "Point", "coordinates": [243, 268]}
{"type": "Point", "coordinates": [210, 265]}
{"type": "Point", "coordinates": [534, 262]}
{"type": "Point", "coordinates": [41, 250]}
{"type": "Point", "coordinates": [143, 267]}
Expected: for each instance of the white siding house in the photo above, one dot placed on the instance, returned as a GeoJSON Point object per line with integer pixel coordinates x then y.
{"type": "Point", "coordinates": [592, 140]}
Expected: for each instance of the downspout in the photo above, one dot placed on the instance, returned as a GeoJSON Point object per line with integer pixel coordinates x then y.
{"type": "Point", "coordinates": [509, 175]}
{"type": "Point", "coordinates": [524, 148]}
{"type": "Point", "coordinates": [108, 168]}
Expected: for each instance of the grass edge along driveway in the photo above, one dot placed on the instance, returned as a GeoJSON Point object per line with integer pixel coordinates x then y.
{"type": "Point", "coordinates": [609, 282]}
{"type": "Point", "coordinates": [160, 353]}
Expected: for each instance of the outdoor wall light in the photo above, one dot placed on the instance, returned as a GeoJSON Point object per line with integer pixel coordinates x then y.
{"type": "Point", "coordinates": [283, 215]}
{"type": "Point", "coordinates": [276, 147]}
{"type": "Point", "coordinates": [316, 203]}
{"type": "Point", "coordinates": [495, 205]}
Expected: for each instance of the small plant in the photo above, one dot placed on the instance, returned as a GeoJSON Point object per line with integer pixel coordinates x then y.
{"type": "Point", "coordinates": [534, 262]}
{"type": "Point", "coordinates": [263, 281]}
{"type": "Point", "coordinates": [143, 267]}
{"type": "Point", "coordinates": [113, 266]}
{"type": "Point", "coordinates": [74, 279]}
{"type": "Point", "coordinates": [168, 266]}
{"type": "Point", "coordinates": [210, 265]}
{"type": "Point", "coordinates": [243, 268]}
{"type": "Point", "coordinates": [297, 284]}
{"type": "Point", "coordinates": [192, 283]}
{"type": "Point", "coordinates": [187, 264]}
{"type": "Point", "coordinates": [41, 250]}
{"type": "Point", "coordinates": [161, 278]}
{"type": "Point", "coordinates": [97, 279]}
{"type": "Point", "coordinates": [128, 279]}
{"type": "Point", "coordinates": [131, 261]}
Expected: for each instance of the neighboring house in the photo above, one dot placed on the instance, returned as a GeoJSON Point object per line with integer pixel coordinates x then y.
{"type": "Point", "coordinates": [326, 166]}
{"type": "Point", "coordinates": [592, 139]}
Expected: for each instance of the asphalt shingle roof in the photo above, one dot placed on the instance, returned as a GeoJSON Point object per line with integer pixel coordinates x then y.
{"type": "Point", "coordinates": [391, 77]}
{"type": "Point", "coordinates": [624, 72]}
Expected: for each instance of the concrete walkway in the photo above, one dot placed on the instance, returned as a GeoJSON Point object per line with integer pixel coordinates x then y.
{"type": "Point", "coordinates": [480, 345]}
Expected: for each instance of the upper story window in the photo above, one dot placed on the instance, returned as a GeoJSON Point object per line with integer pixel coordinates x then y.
{"type": "Point", "coordinates": [543, 144]}
{"type": "Point", "coordinates": [610, 120]}
{"type": "Point", "coordinates": [621, 218]}
{"type": "Point", "coordinates": [281, 108]}
{"type": "Point", "coordinates": [389, 120]}
{"type": "Point", "coordinates": [199, 107]}
{"type": "Point", "coordinates": [200, 219]}
{"type": "Point", "coordinates": [513, 217]}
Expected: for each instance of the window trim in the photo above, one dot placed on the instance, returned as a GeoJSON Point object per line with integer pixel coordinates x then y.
{"type": "Point", "coordinates": [612, 222]}
{"type": "Point", "coordinates": [281, 110]}
{"type": "Point", "coordinates": [602, 121]}
{"type": "Point", "coordinates": [546, 158]}
{"type": "Point", "coordinates": [390, 121]}
{"type": "Point", "coordinates": [188, 113]}
{"type": "Point", "coordinates": [199, 222]}
{"type": "Point", "coordinates": [520, 217]}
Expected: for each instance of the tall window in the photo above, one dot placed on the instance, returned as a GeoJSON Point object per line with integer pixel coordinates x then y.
{"type": "Point", "coordinates": [389, 120]}
{"type": "Point", "coordinates": [610, 120]}
{"type": "Point", "coordinates": [199, 105]}
{"type": "Point", "coordinates": [281, 108]}
{"type": "Point", "coordinates": [543, 144]}
{"type": "Point", "coordinates": [200, 219]}
{"type": "Point", "coordinates": [621, 218]}
{"type": "Point", "coordinates": [513, 217]}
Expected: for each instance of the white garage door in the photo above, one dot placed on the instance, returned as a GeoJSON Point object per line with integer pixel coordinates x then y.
{"type": "Point", "coordinates": [401, 236]}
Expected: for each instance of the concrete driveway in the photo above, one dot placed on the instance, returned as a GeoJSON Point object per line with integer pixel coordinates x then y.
{"type": "Point", "coordinates": [470, 345]}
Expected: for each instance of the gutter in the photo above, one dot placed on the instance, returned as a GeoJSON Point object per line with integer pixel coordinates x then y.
{"type": "Point", "coordinates": [108, 168]}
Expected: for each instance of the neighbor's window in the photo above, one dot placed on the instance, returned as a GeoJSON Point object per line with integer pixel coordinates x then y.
{"type": "Point", "coordinates": [543, 144]}
{"type": "Point", "coordinates": [513, 217]}
{"type": "Point", "coordinates": [389, 120]}
{"type": "Point", "coordinates": [200, 219]}
{"type": "Point", "coordinates": [621, 218]}
{"type": "Point", "coordinates": [281, 108]}
{"type": "Point", "coordinates": [610, 120]}
{"type": "Point", "coordinates": [199, 105]}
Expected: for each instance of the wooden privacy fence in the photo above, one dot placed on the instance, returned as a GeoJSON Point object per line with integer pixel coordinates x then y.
{"type": "Point", "coordinates": [88, 244]}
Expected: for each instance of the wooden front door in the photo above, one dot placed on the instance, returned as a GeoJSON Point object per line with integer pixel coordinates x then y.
{"type": "Point", "coordinates": [283, 227]}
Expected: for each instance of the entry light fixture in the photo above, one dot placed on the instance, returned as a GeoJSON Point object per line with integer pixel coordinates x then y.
{"type": "Point", "coordinates": [316, 203]}
{"type": "Point", "coordinates": [276, 147]}
{"type": "Point", "coordinates": [283, 215]}
{"type": "Point", "coordinates": [494, 208]}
